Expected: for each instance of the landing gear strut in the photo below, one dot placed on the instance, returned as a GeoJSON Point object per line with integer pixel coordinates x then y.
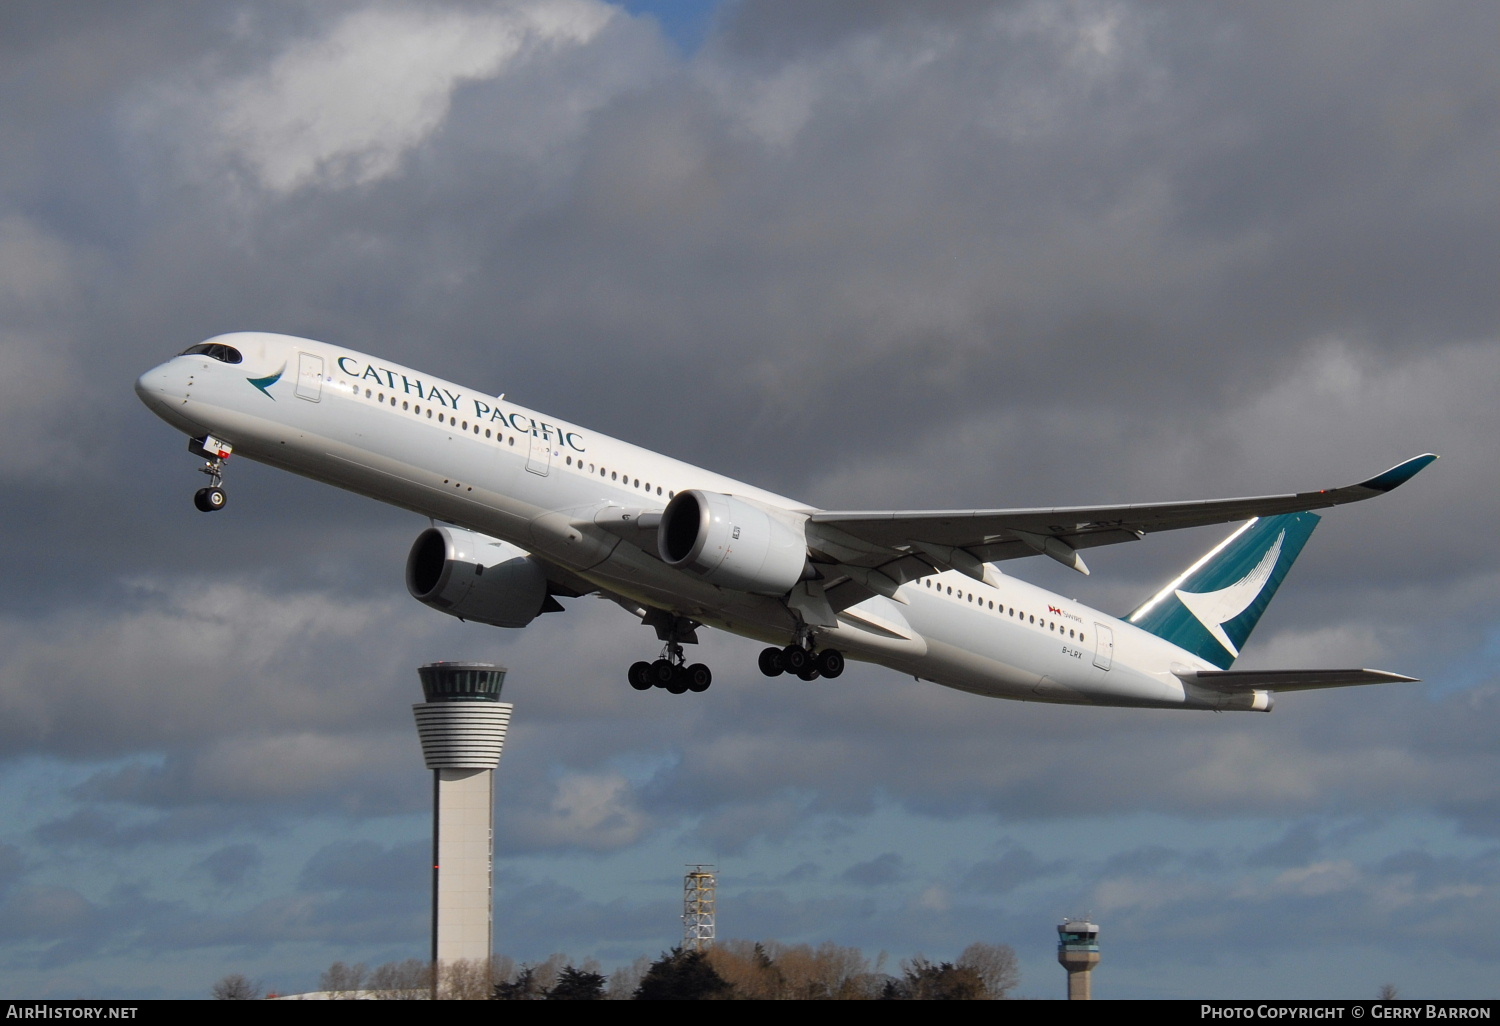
{"type": "Point", "coordinates": [215, 452]}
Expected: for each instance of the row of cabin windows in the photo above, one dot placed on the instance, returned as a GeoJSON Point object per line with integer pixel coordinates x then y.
{"type": "Point", "coordinates": [445, 418]}
{"type": "Point", "coordinates": [442, 418]}
{"type": "Point", "coordinates": [1024, 617]}
{"type": "Point", "coordinates": [614, 475]}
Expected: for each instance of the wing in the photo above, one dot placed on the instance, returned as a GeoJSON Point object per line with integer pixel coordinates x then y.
{"type": "Point", "coordinates": [875, 552]}
{"type": "Point", "coordinates": [1231, 681]}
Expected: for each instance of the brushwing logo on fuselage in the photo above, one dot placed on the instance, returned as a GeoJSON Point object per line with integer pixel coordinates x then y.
{"type": "Point", "coordinates": [265, 383]}
{"type": "Point", "coordinates": [1216, 608]}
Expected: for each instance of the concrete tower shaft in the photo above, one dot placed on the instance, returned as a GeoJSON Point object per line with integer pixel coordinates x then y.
{"type": "Point", "coordinates": [462, 727]}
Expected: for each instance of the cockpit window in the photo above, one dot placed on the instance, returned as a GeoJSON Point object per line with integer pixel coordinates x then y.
{"type": "Point", "coordinates": [214, 351]}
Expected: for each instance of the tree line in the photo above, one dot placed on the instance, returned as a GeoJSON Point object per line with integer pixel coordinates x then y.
{"type": "Point", "coordinates": [732, 970]}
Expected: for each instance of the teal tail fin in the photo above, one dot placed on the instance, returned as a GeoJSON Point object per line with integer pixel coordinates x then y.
{"type": "Point", "coordinates": [1212, 606]}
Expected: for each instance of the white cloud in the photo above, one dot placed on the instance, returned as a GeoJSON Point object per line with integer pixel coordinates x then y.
{"type": "Point", "coordinates": [1318, 879]}
{"type": "Point", "coordinates": [1136, 894]}
{"type": "Point", "coordinates": [181, 662]}
{"type": "Point", "coordinates": [344, 109]}
{"type": "Point", "coordinates": [934, 899]}
{"type": "Point", "coordinates": [1344, 645]}
{"type": "Point", "coordinates": [292, 764]}
{"type": "Point", "coordinates": [592, 810]}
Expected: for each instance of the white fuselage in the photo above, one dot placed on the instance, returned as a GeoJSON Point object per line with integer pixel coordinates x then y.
{"type": "Point", "coordinates": [489, 465]}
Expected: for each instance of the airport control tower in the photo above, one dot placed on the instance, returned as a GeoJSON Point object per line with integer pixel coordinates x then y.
{"type": "Point", "coordinates": [462, 726]}
{"type": "Point", "coordinates": [1078, 953]}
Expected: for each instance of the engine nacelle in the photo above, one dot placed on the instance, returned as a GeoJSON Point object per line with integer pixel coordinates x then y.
{"type": "Point", "coordinates": [474, 577]}
{"type": "Point", "coordinates": [733, 542]}
{"type": "Point", "coordinates": [1251, 701]}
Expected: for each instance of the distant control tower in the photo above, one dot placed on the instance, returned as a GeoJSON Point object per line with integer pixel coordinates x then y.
{"type": "Point", "coordinates": [1078, 953]}
{"type": "Point", "coordinates": [462, 726]}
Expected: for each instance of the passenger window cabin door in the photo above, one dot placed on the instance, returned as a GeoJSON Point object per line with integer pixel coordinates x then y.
{"type": "Point", "coordinates": [309, 377]}
{"type": "Point", "coordinates": [1104, 646]}
{"type": "Point", "coordinates": [539, 459]}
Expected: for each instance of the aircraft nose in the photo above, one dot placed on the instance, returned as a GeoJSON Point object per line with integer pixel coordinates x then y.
{"type": "Point", "coordinates": [154, 386]}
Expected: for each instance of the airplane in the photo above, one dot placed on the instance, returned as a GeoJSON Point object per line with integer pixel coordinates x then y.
{"type": "Point", "coordinates": [525, 509]}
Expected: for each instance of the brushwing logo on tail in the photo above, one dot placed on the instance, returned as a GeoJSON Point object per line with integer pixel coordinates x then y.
{"type": "Point", "coordinates": [1213, 609]}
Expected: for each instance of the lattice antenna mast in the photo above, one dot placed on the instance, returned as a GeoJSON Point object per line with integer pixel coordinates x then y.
{"type": "Point", "coordinates": [698, 908]}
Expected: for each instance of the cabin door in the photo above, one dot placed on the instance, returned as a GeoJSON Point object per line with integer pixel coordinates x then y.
{"type": "Point", "coordinates": [309, 377]}
{"type": "Point", "coordinates": [539, 459]}
{"type": "Point", "coordinates": [1104, 646]}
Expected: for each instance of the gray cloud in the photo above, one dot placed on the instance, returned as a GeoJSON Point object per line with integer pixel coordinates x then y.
{"type": "Point", "coordinates": [871, 254]}
{"type": "Point", "coordinates": [366, 866]}
{"type": "Point", "coordinates": [1296, 847]}
{"type": "Point", "coordinates": [1016, 867]}
{"type": "Point", "coordinates": [233, 865]}
{"type": "Point", "coordinates": [12, 865]}
{"type": "Point", "coordinates": [884, 869]}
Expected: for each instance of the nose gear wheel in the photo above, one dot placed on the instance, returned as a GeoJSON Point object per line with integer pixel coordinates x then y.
{"type": "Point", "coordinates": [211, 499]}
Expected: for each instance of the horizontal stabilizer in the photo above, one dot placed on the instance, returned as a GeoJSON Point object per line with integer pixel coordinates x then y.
{"type": "Point", "coordinates": [1288, 680]}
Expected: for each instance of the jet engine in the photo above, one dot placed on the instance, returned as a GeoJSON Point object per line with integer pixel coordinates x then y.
{"type": "Point", "coordinates": [734, 542]}
{"type": "Point", "coordinates": [474, 577]}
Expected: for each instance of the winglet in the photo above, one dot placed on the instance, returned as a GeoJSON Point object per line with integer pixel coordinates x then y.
{"type": "Point", "coordinates": [1399, 474]}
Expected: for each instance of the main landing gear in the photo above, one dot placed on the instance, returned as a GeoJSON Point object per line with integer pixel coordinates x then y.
{"type": "Point", "coordinates": [671, 672]}
{"type": "Point", "coordinates": [213, 498]}
{"type": "Point", "coordinates": [802, 661]}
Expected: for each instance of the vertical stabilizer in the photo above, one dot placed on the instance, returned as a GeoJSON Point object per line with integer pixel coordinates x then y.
{"type": "Point", "coordinates": [1212, 606]}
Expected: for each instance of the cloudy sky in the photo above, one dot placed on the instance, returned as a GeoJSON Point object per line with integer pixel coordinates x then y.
{"type": "Point", "coordinates": [868, 254]}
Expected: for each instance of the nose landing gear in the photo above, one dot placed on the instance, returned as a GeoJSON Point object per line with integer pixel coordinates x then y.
{"type": "Point", "coordinates": [216, 452]}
